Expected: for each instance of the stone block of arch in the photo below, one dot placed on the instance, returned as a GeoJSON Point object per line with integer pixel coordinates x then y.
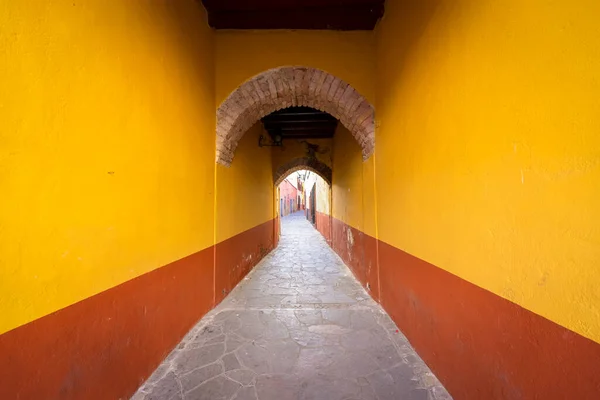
{"type": "Point", "coordinates": [285, 87]}
{"type": "Point", "coordinates": [297, 164]}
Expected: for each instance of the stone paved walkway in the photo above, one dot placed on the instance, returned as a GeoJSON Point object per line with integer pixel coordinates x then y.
{"type": "Point", "coordinates": [298, 327]}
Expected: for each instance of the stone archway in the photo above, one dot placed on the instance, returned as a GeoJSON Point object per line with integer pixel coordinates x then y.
{"type": "Point", "coordinates": [284, 87]}
{"type": "Point", "coordinates": [297, 164]}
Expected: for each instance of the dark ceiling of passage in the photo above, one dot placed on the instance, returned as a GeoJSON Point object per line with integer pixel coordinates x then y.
{"type": "Point", "coordinates": [300, 123]}
{"type": "Point", "coordinates": [294, 14]}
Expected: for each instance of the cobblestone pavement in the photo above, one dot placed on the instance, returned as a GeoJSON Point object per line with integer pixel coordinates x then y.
{"type": "Point", "coordinates": [298, 327]}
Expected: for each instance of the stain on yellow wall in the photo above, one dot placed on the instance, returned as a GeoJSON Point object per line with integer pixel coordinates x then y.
{"type": "Point", "coordinates": [293, 149]}
{"type": "Point", "coordinates": [488, 152]}
{"type": "Point", "coordinates": [106, 147]}
{"type": "Point", "coordinates": [245, 189]}
{"type": "Point", "coordinates": [240, 55]}
{"type": "Point", "coordinates": [352, 186]}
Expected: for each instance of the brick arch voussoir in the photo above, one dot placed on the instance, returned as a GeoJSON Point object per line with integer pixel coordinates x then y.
{"type": "Point", "coordinates": [284, 87]}
{"type": "Point", "coordinates": [301, 163]}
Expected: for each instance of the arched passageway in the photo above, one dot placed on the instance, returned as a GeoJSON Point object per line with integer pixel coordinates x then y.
{"type": "Point", "coordinates": [312, 188]}
{"type": "Point", "coordinates": [284, 87]}
{"type": "Point", "coordinates": [303, 163]}
{"type": "Point", "coordinates": [473, 226]}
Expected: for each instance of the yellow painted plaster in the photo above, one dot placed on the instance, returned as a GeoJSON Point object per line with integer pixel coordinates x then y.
{"type": "Point", "coordinates": [245, 189]}
{"type": "Point", "coordinates": [488, 147]}
{"type": "Point", "coordinates": [352, 186]}
{"type": "Point", "coordinates": [240, 55]}
{"type": "Point", "coordinates": [293, 149]}
{"type": "Point", "coordinates": [106, 147]}
{"type": "Point", "coordinates": [323, 194]}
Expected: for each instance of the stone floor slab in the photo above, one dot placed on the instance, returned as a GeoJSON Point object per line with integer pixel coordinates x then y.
{"type": "Point", "coordinates": [298, 327]}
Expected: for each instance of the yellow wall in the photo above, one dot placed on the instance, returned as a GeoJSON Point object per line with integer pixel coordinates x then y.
{"type": "Point", "coordinates": [353, 183]}
{"type": "Point", "coordinates": [240, 55]}
{"type": "Point", "coordinates": [323, 196]}
{"type": "Point", "coordinates": [106, 147]}
{"type": "Point", "coordinates": [245, 189]}
{"type": "Point", "coordinates": [488, 152]}
{"type": "Point", "coordinates": [293, 149]}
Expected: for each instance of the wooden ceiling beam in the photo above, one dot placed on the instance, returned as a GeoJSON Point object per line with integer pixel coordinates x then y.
{"type": "Point", "coordinates": [295, 125]}
{"type": "Point", "coordinates": [300, 127]}
{"type": "Point", "coordinates": [299, 119]}
{"type": "Point", "coordinates": [310, 132]}
{"type": "Point", "coordinates": [354, 17]}
{"type": "Point", "coordinates": [282, 4]}
{"type": "Point", "coordinates": [307, 136]}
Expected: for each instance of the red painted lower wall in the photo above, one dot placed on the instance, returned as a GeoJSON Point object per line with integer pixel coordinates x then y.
{"type": "Point", "coordinates": [106, 346]}
{"type": "Point", "coordinates": [359, 252]}
{"type": "Point", "coordinates": [323, 225]}
{"type": "Point", "coordinates": [480, 345]}
{"type": "Point", "coordinates": [236, 256]}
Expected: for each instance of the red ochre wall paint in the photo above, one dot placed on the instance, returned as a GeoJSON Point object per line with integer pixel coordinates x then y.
{"type": "Point", "coordinates": [359, 252]}
{"type": "Point", "coordinates": [107, 179]}
{"type": "Point", "coordinates": [244, 203]}
{"type": "Point", "coordinates": [353, 213]}
{"type": "Point", "coordinates": [132, 195]}
{"type": "Point", "coordinates": [486, 167]}
{"type": "Point", "coordinates": [323, 225]}
{"type": "Point", "coordinates": [235, 257]}
{"type": "Point", "coordinates": [105, 346]}
{"type": "Point", "coordinates": [487, 177]}
{"type": "Point", "coordinates": [108, 243]}
{"type": "Point", "coordinates": [478, 344]}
